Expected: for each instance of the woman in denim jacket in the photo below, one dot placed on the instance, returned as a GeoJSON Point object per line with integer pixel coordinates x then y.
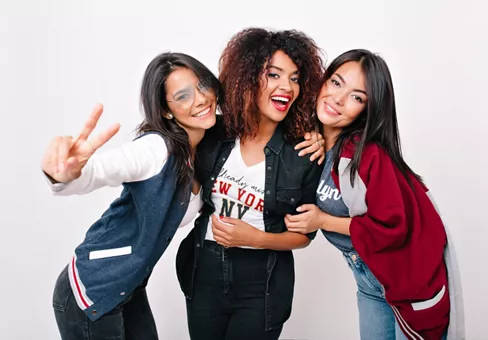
{"type": "Point", "coordinates": [101, 293]}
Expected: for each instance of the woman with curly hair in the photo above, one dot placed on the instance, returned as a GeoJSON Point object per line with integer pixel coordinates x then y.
{"type": "Point", "coordinates": [236, 267]}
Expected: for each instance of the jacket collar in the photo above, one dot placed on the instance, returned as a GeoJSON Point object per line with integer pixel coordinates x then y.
{"type": "Point", "coordinates": [275, 144]}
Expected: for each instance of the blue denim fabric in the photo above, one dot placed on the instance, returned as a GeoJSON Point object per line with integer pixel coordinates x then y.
{"type": "Point", "coordinates": [143, 220]}
{"type": "Point", "coordinates": [376, 318]}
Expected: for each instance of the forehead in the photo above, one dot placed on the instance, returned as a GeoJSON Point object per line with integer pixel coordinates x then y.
{"type": "Point", "coordinates": [181, 77]}
{"type": "Point", "coordinates": [352, 74]}
{"type": "Point", "coordinates": [282, 60]}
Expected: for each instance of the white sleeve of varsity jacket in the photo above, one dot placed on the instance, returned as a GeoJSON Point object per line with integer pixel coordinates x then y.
{"type": "Point", "coordinates": [134, 161]}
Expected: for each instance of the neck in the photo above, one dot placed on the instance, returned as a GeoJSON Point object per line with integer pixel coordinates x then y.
{"type": "Point", "coordinates": [330, 136]}
{"type": "Point", "coordinates": [265, 131]}
{"type": "Point", "coordinates": [195, 137]}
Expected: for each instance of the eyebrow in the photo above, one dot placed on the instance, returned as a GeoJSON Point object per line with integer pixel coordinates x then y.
{"type": "Point", "coordinates": [355, 90]}
{"type": "Point", "coordinates": [280, 69]}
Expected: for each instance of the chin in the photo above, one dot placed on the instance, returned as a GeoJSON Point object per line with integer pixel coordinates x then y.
{"type": "Point", "coordinates": [276, 117]}
{"type": "Point", "coordinates": [209, 122]}
{"type": "Point", "coordinates": [325, 119]}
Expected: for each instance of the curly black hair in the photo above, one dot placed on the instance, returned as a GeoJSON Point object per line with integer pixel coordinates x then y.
{"type": "Point", "coordinates": [241, 65]}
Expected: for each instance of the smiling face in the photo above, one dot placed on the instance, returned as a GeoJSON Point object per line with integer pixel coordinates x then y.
{"type": "Point", "coordinates": [192, 105]}
{"type": "Point", "coordinates": [279, 87]}
{"type": "Point", "coordinates": [342, 97]}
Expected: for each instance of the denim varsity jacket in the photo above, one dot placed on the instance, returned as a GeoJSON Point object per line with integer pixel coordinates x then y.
{"type": "Point", "coordinates": [290, 182]}
{"type": "Point", "coordinates": [138, 225]}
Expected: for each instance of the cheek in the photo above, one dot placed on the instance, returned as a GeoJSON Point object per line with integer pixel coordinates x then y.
{"type": "Point", "coordinates": [179, 114]}
{"type": "Point", "coordinates": [296, 90]}
{"type": "Point", "coordinates": [324, 91]}
{"type": "Point", "coordinates": [353, 110]}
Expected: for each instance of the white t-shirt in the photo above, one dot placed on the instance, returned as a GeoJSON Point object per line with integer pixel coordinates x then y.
{"type": "Point", "coordinates": [238, 191]}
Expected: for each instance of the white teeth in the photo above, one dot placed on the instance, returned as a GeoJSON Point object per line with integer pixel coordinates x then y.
{"type": "Point", "coordinates": [202, 113]}
{"type": "Point", "coordinates": [331, 109]}
{"type": "Point", "coordinates": [281, 99]}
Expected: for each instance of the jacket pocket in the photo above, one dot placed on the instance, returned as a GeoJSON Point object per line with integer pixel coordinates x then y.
{"type": "Point", "coordinates": [185, 264]}
{"type": "Point", "coordinates": [422, 305]}
{"type": "Point", "coordinates": [287, 200]}
{"type": "Point", "coordinates": [365, 279]}
{"type": "Point", "coordinates": [62, 291]}
{"type": "Point", "coordinates": [429, 315]}
{"type": "Point", "coordinates": [101, 254]}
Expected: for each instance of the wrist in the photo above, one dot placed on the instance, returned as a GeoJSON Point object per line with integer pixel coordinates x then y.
{"type": "Point", "coordinates": [324, 221]}
{"type": "Point", "coordinates": [259, 241]}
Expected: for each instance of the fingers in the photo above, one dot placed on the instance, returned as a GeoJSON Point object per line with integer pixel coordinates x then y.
{"type": "Point", "coordinates": [319, 153]}
{"type": "Point", "coordinates": [221, 237]}
{"type": "Point", "coordinates": [303, 144]}
{"type": "Point", "coordinates": [221, 241]}
{"type": "Point", "coordinates": [314, 136]}
{"type": "Point", "coordinates": [296, 218]}
{"type": "Point", "coordinates": [229, 220]}
{"type": "Point", "coordinates": [105, 136]}
{"type": "Point", "coordinates": [311, 145]}
{"type": "Point", "coordinates": [310, 138]}
{"type": "Point", "coordinates": [56, 154]}
{"type": "Point", "coordinates": [91, 122]}
{"type": "Point", "coordinates": [313, 148]}
{"type": "Point", "coordinates": [305, 207]}
{"type": "Point", "coordinates": [63, 153]}
{"type": "Point", "coordinates": [217, 232]}
{"type": "Point", "coordinates": [296, 227]}
{"type": "Point", "coordinates": [219, 226]}
{"type": "Point", "coordinates": [321, 159]}
{"type": "Point", "coordinates": [72, 164]}
{"type": "Point", "coordinates": [53, 150]}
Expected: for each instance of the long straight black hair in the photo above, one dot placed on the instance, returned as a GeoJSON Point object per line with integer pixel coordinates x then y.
{"type": "Point", "coordinates": [378, 122]}
{"type": "Point", "coordinates": [154, 105]}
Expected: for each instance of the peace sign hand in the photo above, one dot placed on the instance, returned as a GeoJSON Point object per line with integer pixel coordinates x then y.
{"type": "Point", "coordinates": [66, 156]}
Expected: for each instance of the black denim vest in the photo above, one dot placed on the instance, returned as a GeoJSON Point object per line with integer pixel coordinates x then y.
{"type": "Point", "coordinates": [290, 182]}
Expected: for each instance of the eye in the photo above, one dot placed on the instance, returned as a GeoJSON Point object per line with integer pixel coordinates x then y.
{"type": "Point", "coordinates": [334, 82]}
{"type": "Point", "coordinates": [273, 75]}
{"type": "Point", "coordinates": [295, 79]}
{"type": "Point", "coordinates": [358, 99]}
{"type": "Point", "coordinates": [182, 97]}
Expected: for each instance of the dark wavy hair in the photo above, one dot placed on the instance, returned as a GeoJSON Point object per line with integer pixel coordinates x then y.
{"type": "Point", "coordinates": [378, 122]}
{"type": "Point", "coordinates": [154, 104]}
{"type": "Point", "coordinates": [242, 64]}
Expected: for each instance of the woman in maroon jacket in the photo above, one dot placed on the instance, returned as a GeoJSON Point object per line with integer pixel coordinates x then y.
{"type": "Point", "coordinates": [378, 212]}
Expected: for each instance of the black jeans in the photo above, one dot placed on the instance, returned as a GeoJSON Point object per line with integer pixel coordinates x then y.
{"type": "Point", "coordinates": [131, 320]}
{"type": "Point", "coordinates": [228, 302]}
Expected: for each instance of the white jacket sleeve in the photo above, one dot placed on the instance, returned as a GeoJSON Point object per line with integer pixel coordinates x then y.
{"type": "Point", "coordinates": [134, 161]}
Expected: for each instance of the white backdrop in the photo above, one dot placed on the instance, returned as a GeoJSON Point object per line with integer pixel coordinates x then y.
{"type": "Point", "coordinates": [60, 57]}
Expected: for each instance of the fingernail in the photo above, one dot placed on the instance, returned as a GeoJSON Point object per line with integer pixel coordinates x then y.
{"type": "Point", "coordinates": [300, 154]}
{"type": "Point", "coordinates": [299, 209]}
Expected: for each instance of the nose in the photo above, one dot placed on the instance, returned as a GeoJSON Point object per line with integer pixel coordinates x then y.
{"type": "Point", "coordinates": [285, 84]}
{"type": "Point", "coordinates": [200, 98]}
{"type": "Point", "coordinates": [339, 97]}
